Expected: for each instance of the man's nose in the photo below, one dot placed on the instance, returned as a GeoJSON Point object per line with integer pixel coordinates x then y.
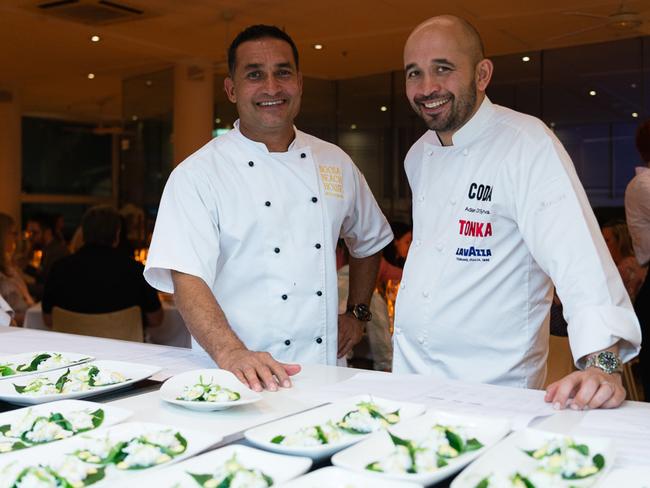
{"type": "Point", "coordinates": [430, 84]}
{"type": "Point", "coordinates": [272, 86]}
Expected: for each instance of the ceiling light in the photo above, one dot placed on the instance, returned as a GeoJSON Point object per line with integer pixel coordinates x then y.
{"type": "Point", "coordinates": [552, 124]}
{"type": "Point", "coordinates": [134, 118]}
{"type": "Point", "coordinates": [95, 38]}
{"type": "Point", "coordinates": [148, 83]}
{"type": "Point", "coordinates": [633, 85]}
{"type": "Point", "coordinates": [383, 108]}
{"type": "Point", "coordinates": [525, 59]}
{"type": "Point", "coordinates": [318, 47]}
{"type": "Point", "coordinates": [592, 93]}
{"type": "Point", "coordinates": [217, 120]}
{"type": "Point", "coordinates": [91, 76]}
{"type": "Point", "coordinates": [353, 127]}
{"type": "Point", "coordinates": [635, 115]}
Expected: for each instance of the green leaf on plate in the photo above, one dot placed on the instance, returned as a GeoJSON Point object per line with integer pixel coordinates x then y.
{"type": "Point", "coordinates": [374, 467]}
{"type": "Point", "coordinates": [473, 445]}
{"type": "Point", "coordinates": [455, 441]}
{"type": "Point", "coordinates": [92, 373]}
{"type": "Point", "coordinates": [277, 439]}
{"type": "Point", "coordinates": [5, 370]}
{"type": "Point", "coordinates": [441, 462]}
{"type": "Point", "coordinates": [98, 417]}
{"type": "Point", "coordinates": [95, 477]}
{"type": "Point", "coordinates": [581, 448]}
{"type": "Point", "coordinates": [5, 428]}
{"type": "Point", "coordinates": [33, 366]}
{"type": "Point", "coordinates": [484, 483]}
{"type": "Point", "coordinates": [63, 379]}
{"type": "Point", "coordinates": [599, 461]}
{"type": "Point", "coordinates": [19, 389]}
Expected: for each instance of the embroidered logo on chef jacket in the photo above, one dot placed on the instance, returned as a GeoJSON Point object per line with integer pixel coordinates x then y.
{"type": "Point", "coordinates": [482, 193]}
{"type": "Point", "coordinates": [475, 229]}
{"type": "Point", "coordinates": [473, 254]}
{"type": "Point", "coordinates": [332, 178]}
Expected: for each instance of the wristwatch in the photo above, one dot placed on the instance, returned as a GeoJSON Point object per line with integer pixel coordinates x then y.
{"type": "Point", "coordinates": [606, 360]}
{"type": "Point", "coordinates": [361, 312]}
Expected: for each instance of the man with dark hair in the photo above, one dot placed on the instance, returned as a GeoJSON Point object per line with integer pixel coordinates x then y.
{"type": "Point", "coordinates": [247, 229]}
{"type": "Point", "coordinates": [99, 278]}
{"type": "Point", "coordinates": [43, 237]}
{"type": "Point", "coordinates": [494, 197]}
{"type": "Point", "coordinates": [637, 212]}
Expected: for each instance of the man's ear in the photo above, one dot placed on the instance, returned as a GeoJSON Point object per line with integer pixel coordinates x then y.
{"type": "Point", "coordinates": [483, 74]}
{"type": "Point", "coordinates": [229, 88]}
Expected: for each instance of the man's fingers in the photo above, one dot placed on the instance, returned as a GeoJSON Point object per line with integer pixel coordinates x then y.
{"type": "Point", "coordinates": [251, 377]}
{"type": "Point", "coordinates": [616, 399]}
{"type": "Point", "coordinates": [564, 390]}
{"type": "Point", "coordinates": [240, 376]}
{"type": "Point", "coordinates": [606, 390]}
{"type": "Point", "coordinates": [291, 369]}
{"type": "Point", "coordinates": [585, 395]}
{"type": "Point", "coordinates": [550, 391]}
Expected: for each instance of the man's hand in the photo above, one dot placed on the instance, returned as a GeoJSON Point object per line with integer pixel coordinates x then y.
{"type": "Point", "coordinates": [350, 333]}
{"type": "Point", "coordinates": [257, 370]}
{"type": "Point", "coordinates": [589, 389]}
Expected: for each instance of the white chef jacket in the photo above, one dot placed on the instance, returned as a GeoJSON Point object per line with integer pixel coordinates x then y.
{"type": "Point", "coordinates": [637, 212]}
{"type": "Point", "coordinates": [6, 313]}
{"type": "Point", "coordinates": [261, 229]}
{"type": "Point", "coordinates": [495, 215]}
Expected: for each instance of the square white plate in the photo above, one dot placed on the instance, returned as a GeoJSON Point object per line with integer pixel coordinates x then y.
{"type": "Point", "coordinates": [486, 430]}
{"type": "Point", "coordinates": [638, 477]}
{"type": "Point", "coordinates": [112, 416]}
{"type": "Point", "coordinates": [278, 466]}
{"type": "Point", "coordinates": [25, 358]}
{"type": "Point", "coordinates": [261, 436]}
{"type": "Point", "coordinates": [196, 442]}
{"type": "Point", "coordinates": [174, 386]}
{"type": "Point", "coordinates": [508, 458]}
{"type": "Point", "coordinates": [133, 371]}
{"type": "Point", "coordinates": [333, 477]}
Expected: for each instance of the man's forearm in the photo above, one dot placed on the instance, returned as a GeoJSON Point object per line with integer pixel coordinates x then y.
{"type": "Point", "coordinates": [363, 275]}
{"type": "Point", "coordinates": [203, 315]}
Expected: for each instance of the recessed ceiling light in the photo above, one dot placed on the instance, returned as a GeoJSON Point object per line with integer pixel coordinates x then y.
{"type": "Point", "coordinates": [91, 76]}
{"type": "Point", "coordinates": [95, 38]}
{"type": "Point", "coordinates": [134, 118]}
{"type": "Point", "coordinates": [383, 108]}
{"type": "Point", "coordinates": [633, 85]}
{"type": "Point", "coordinates": [635, 115]}
{"type": "Point", "coordinates": [353, 126]}
{"type": "Point", "coordinates": [148, 83]}
{"type": "Point", "coordinates": [318, 47]}
{"type": "Point", "coordinates": [552, 124]}
{"type": "Point", "coordinates": [217, 120]}
{"type": "Point", "coordinates": [525, 59]}
{"type": "Point", "coordinates": [592, 93]}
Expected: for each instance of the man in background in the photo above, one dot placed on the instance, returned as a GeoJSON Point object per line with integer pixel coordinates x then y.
{"type": "Point", "coordinates": [637, 212]}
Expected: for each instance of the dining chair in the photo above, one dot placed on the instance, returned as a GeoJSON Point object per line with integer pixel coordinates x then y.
{"type": "Point", "coordinates": [123, 324]}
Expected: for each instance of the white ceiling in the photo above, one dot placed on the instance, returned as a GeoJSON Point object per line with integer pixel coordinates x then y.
{"type": "Point", "coordinates": [46, 58]}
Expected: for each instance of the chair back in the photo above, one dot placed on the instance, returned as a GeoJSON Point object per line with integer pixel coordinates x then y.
{"type": "Point", "coordinates": [124, 324]}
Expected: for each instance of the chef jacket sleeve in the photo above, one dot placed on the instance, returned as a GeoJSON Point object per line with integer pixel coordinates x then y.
{"type": "Point", "coordinates": [365, 229]}
{"type": "Point", "coordinates": [186, 235]}
{"type": "Point", "coordinates": [637, 212]}
{"type": "Point", "coordinates": [562, 234]}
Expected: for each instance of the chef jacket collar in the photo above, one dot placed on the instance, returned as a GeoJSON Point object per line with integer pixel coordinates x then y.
{"type": "Point", "coordinates": [473, 127]}
{"type": "Point", "coordinates": [297, 143]}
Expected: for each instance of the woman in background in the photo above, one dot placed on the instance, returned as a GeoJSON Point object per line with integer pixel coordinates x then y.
{"type": "Point", "coordinates": [394, 255]}
{"type": "Point", "coordinates": [619, 243]}
{"type": "Point", "coordinates": [12, 285]}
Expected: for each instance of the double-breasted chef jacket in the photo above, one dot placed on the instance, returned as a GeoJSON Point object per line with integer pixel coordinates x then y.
{"type": "Point", "coordinates": [497, 217]}
{"type": "Point", "coordinates": [260, 229]}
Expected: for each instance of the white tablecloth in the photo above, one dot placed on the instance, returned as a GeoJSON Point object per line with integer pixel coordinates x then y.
{"type": "Point", "coordinates": [172, 331]}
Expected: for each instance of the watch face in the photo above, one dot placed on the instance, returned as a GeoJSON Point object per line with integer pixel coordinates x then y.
{"type": "Point", "coordinates": [609, 361]}
{"type": "Point", "coordinates": [362, 312]}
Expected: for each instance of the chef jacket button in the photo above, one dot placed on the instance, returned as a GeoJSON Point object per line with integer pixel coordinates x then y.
{"type": "Point", "coordinates": [284, 297]}
{"type": "Point", "coordinates": [398, 330]}
{"type": "Point", "coordinates": [317, 246]}
{"type": "Point", "coordinates": [287, 342]}
{"type": "Point", "coordinates": [439, 246]}
{"type": "Point", "coordinates": [421, 198]}
{"type": "Point", "coordinates": [421, 340]}
{"type": "Point", "coordinates": [417, 243]}
{"type": "Point", "coordinates": [303, 155]}
{"type": "Point", "coordinates": [429, 153]}
{"type": "Point", "coordinates": [277, 250]}
{"type": "Point", "coordinates": [251, 164]}
{"type": "Point", "coordinates": [314, 199]}
{"type": "Point", "coordinates": [425, 294]}
{"type": "Point", "coordinates": [402, 285]}
{"type": "Point", "coordinates": [319, 340]}
{"type": "Point", "coordinates": [465, 152]}
{"type": "Point", "coordinates": [268, 204]}
{"type": "Point", "coordinates": [319, 293]}
{"type": "Point", "coordinates": [452, 201]}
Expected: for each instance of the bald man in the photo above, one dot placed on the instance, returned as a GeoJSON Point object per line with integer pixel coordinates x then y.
{"type": "Point", "coordinates": [499, 218]}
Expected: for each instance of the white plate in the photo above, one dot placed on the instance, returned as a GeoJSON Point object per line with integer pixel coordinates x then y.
{"type": "Point", "coordinates": [26, 358]}
{"type": "Point", "coordinates": [173, 388]}
{"type": "Point", "coordinates": [196, 442]}
{"type": "Point", "coordinates": [112, 416]}
{"type": "Point", "coordinates": [333, 477]}
{"type": "Point", "coordinates": [261, 436]}
{"type": "Point", "coordinates": [508, 458]}
{"type": "Point", "coordinates": [279, 467]}
{"type": "Point", "coordinates": [638, 477]}
{"type": "Point", "coordinates": [486, 430]}
{"type": "Point", "coordinates": [134, 371]}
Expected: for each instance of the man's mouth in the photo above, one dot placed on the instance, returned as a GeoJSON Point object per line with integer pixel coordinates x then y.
{"type": "Point", "coordinates": [436, 103]}
{"type": "Point", "coordinates": [270, 103]}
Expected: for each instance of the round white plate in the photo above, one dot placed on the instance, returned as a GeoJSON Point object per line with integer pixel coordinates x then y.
{"type": "Point", "coordinates": [174, 386]}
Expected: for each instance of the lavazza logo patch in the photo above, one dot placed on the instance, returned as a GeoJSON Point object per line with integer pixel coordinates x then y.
{"type": "Point", "coordinates": [470, 228]}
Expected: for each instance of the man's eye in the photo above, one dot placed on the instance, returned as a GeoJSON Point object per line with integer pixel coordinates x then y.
{"type": "Point", "coordinates": [412, 74]}
{"type": "Point", "coordinates": [284, 73]}
{"type": "Point", "coordinates": [443, 69]}
{"type": "Point", "coordinates": [254, 75]}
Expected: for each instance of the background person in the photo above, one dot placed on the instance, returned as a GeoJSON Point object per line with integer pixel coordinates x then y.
{"type": "Point", "coordinates": [98, 278]}
{"type": "Point", "coordinates": [494, 197]}
{"type": "Point", "coordinates": [247, 228]}
{"type": "Point", "coordinates": [12, 285]}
